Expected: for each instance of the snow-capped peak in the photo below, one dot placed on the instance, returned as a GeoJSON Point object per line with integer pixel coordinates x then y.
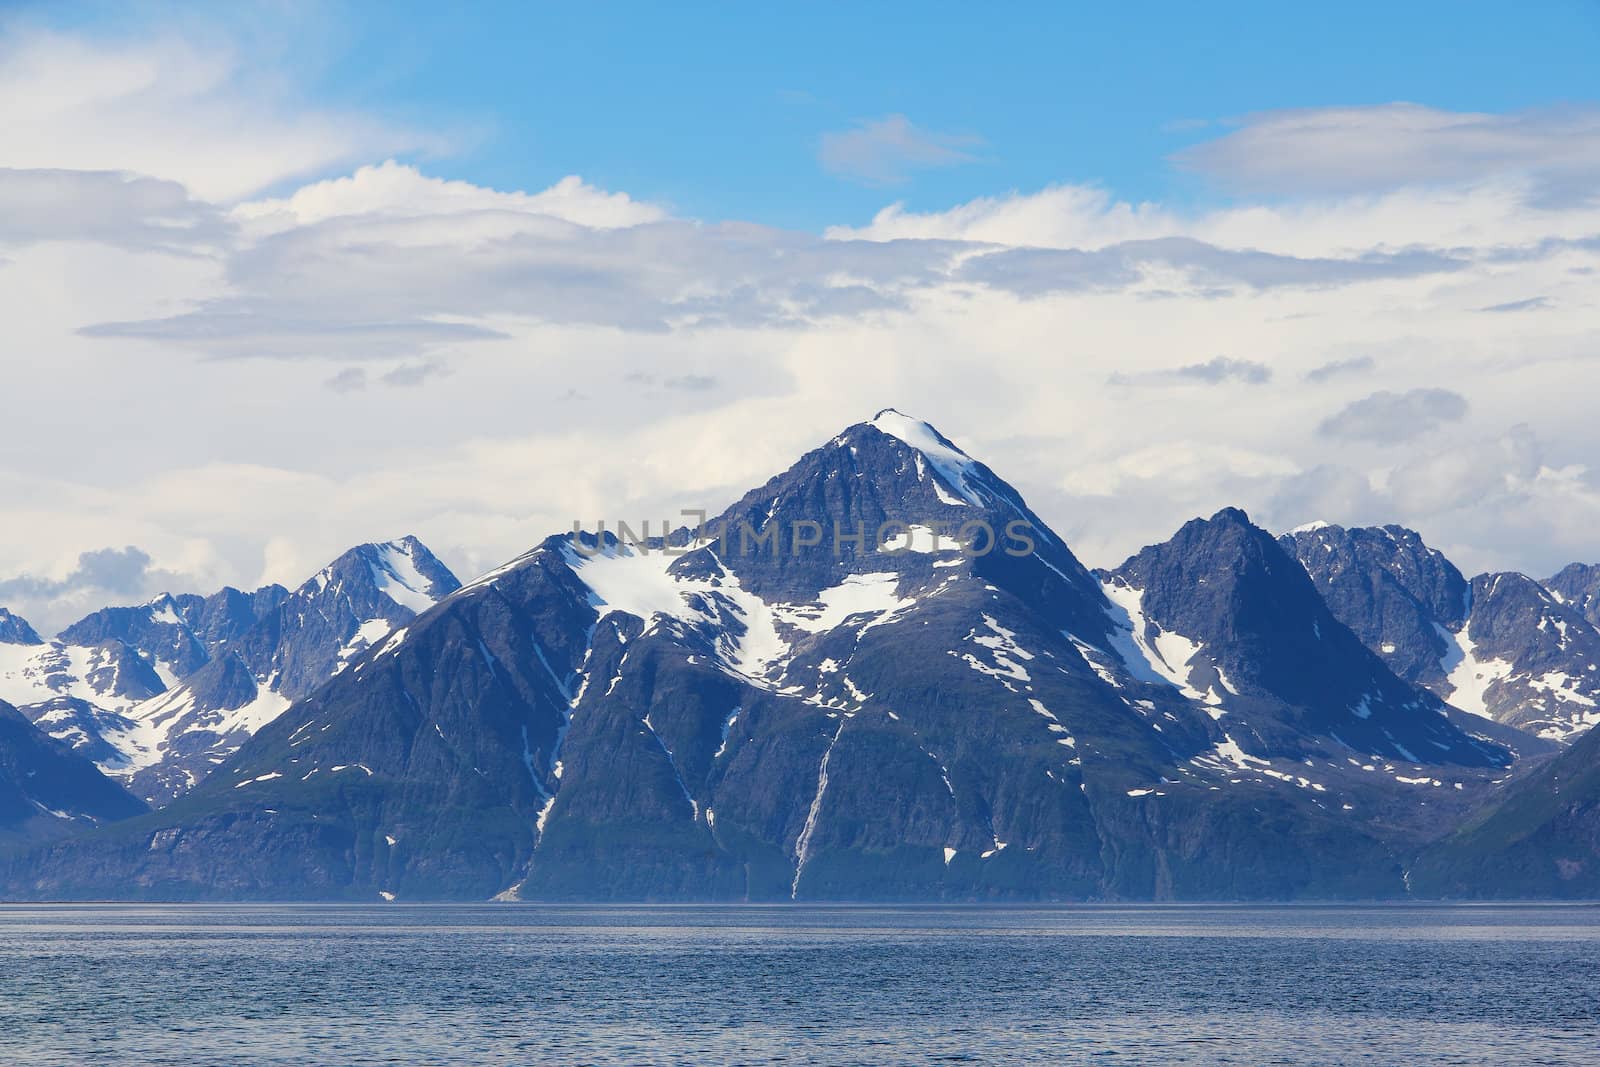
{"type": "Point", "coordinates": [396, 573]}
{"type": "Point", "coordinates": [1312, 526]}
{"type": "Point", "coordinates": [953, 465]}
{"type": "Point", "coordinates": [164, 610]}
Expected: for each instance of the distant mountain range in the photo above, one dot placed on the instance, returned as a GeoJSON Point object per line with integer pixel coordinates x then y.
{"type": "Point", "coordinates": [158, 694]}
{"type": "Point", "coordinates": [822, 695]}
{"type": "Point", "coordinates": [1500, 645]}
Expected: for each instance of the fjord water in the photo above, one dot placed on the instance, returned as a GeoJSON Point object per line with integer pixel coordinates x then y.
{"type": "Point", "coordinates": [514, 984]}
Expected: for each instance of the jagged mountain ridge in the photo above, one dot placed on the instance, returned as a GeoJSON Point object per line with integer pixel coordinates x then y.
{"type": "Point", "coordinates": [159, 694]}
{"type": "Point", "coordinates": [1263, 648]}
{"type": "Point", "coordinates": [1499, 646]}
{"type": "Point", "coordinates": [1578, 584]}
{"type": "Point", "coordinates": [902, 721]}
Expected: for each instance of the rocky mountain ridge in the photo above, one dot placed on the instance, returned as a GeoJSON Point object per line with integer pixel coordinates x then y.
{"type": "Point", "coordinates": [793, 716]}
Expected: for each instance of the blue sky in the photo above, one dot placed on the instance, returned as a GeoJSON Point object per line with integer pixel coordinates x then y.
{"type": "Point", "coordinates": [720, 110]}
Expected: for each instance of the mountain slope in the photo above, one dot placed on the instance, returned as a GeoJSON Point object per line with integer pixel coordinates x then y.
{"type": "Point", "coordinates": [1540, 841]}
{"type": "Point", "coordinates": [800, 702]}
{"type": "Point", "coordinates": [1500, 646]}
{"type": "Point", "coordinates": [47, 790]}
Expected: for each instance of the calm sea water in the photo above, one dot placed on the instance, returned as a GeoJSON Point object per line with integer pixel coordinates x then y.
{"type": "Point", "coordinates": [524, 984]}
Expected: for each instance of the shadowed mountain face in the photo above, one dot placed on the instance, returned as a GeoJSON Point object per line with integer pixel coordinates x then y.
{"type": "Point", "coordinates": [1500, 646]}
{"type": "Point", "coordinates": [1399, 596]}
{"type": "Point", "coordinates": [46, 790]}
{"type": "Point", "coordinates": [14, 630]}
{"type": "Point", "coordinates": [1285, 675]}
{"type": "Point", "coordinates": [157, 695]}
{"type": "Point", "coordinates": [722, 716]}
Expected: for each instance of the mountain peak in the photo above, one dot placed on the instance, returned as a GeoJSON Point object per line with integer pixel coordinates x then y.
{"type": "Point", "coordinates": [14, 630]}
{"type": "Point", "coordinates": [1297, 676]}
{"type": "Point", "coordinates": [410, 574]}
{"type": "Point", "coordinates": [404, 570]}
{"type": "Point", "coordinates": [960, 471]}
{"type": "Point", "coordinates": [1232, 516]}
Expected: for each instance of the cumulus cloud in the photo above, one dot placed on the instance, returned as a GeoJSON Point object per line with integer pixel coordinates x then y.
{"type": "Point", "coordinates": [1386, 418]}
{"type": "Point", "coordinates": [112, 570]}
{"type": "Point", "coordinates": [1342, 150]}
{"type": "Point", "coordinates": [100, 576]}
{"type": "Point", "coordinates": [886, 151]}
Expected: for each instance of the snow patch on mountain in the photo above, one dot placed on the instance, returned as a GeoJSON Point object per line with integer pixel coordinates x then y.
{"type": "Point", "coordinates": [394, 571]}
{"type": "Point", "coordinates": [1469, 677]}
{"type": "Point", "coordinates": [368, 634]}
{"type": "Point", "coordinates": [958, 470]}
{"type": "Point", "coordinates": [30, 674]}
{"type": "Point", "coordinates": [860, 594]}
{"type": "Point", "coordinates": [922, 539]}
{"type": "Point", "coordinates": [1162, 658]}
{"type": "Point", "coordinates": [640, 583]}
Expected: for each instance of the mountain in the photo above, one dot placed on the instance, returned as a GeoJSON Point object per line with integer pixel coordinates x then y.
{"type": "Point", "coordinates": [159, 694]}
{"type": "Point", "coordinates": [1402, 598]}
{"type": "Point", "coordinates": [46, 789]}
{"type": "Point", "coordinates": [877, 676]}
{"type": "Point", "coordinates": [341, 610]}
{"type": "Point", "coordinates": [1500, 646]}
{"type": "Point", "coordinates": [1541, 840]}
{"type": "Point", "coordinates": [14, 630]}
{"type": "Point", "coordinates": [1578, 584]}
{"type": "Point", "coordinates": [111, 674]}
{"type": "Point", "coordinates": [1255, 640]}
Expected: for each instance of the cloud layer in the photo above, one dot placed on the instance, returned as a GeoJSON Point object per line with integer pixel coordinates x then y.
{"type": "Point", "coordinates": [1365, 149]}
{"type": "Point", "coordinates": [244, 383]}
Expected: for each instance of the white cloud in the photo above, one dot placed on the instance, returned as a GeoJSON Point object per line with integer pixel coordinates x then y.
{"type": "Point", "coordinates": [1387, 417]}
{"type": "Point", "coordinates": [1341, 150]}
{"type": "Point", "coordinates": [886, 151]}
{"type": "Point", "coordinates": [187, 110]}
{"type": "Point", "coordinates": [396, 190]}
{"type": "Point", "coordinates": [505, 361]}
{"type": "Point", "coordinates": [1482, 215]}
